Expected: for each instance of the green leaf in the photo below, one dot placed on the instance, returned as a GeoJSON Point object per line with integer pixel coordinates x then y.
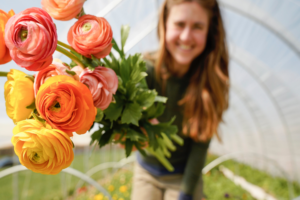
{"type": "Point", "coordinates": [128, 147]}
{"type": "Point", "coordinates": [113, 58]}
{"type": "Point", "coordinates": [31, 106]}
{"type": "Point", "coordinates": [136, 75]}
{"type": "Point", "coordinates": [66, 64]}
{"type": "Point", "coordinates": [161, 99]}
{"type": "Point", "coordinates": [131, 90]}
{"type": "Point", "coordinates": [134, 135]}
{"type": "Point", "coordinates": [107, 63]}
{"type": "Point", "coordinates": [99, 115]}
{"type": "Point", "coordinates": [114, 110]}
{"type": "Point", "coordinates": [89, 63]}
{"type": "Point", "coordinates": [105, 138]}
{"type": "Point", "coordinates": [151, 134]}
{"type": "Point", "coordinates": [121, 88]}
{"type": "Point", "coordinates": [165, 128]}
{"type": "Point", "coordinates": [91, 67]}
{"type": "Point", "coordinates": [116, 47]}
{"type": "Point", "coordinates": [156, 110]}
{"type": "Point", "coordinates": [139, 147]}
{"type": "Point", "coordinates": [145, 98]}
{"type": "Point", "coordinates": [131, 114]}
{"type": "Point", "coordinates": [96, 135]}
{"type": "Point", "coordinates": [142, 65]}
{"type": "Point", "coordinates": [125, 70]}
{"type": "Point", "coordinates": [135, 58]}
{"type": "Point", "coordinates": [72, 64]}
{"type": "Point", "coordinates": [124, 34]}
{"type": "Point", "coordinates": [96, 61]}
{"type": "Point", "coordinates": [70, 72]}
{"type": "Point", "coordinates": [138, 70]}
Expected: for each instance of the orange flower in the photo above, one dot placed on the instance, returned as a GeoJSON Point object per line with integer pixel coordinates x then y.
{"type": "Point", "coordinates": [4, 52]}
{"type": "Point", "coordinates": [63, 10]}
{"type": "Point", "coordinates": [41, 148]}
{"type": "Point", "coordinates": [66, 104]}
{"type": "Point", "coordinates": [91, 35]}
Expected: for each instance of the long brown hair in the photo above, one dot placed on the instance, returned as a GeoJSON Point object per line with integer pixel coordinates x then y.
{"type": "Point", "coordinates": [206, 97]}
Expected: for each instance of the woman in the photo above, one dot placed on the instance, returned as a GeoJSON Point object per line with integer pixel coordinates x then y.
{"type": "Point", "coordinates": [191, 69]}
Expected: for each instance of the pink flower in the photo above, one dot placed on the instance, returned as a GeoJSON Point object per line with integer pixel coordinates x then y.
{"type": "Point", "coordinates": [31, 38]}
{"type": "Point", "coordinates": [52, 70]}
{"type": "Point", "coordinates": [91, 35]}
{"type": "Point", "coordinates": [102, 82]}
{"type": "Point", "coordinates": [63, 10]}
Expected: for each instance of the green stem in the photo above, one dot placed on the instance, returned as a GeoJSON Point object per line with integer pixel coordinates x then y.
{"type": "Point", "coordinates": [159, 155]}
{"type": "Point", "coordinates": [38, 118]}
{"type": "Point", "coordinates": [3, 73]}
{"type": "Point", "coordinates": [70, 55]}
{"type": "Point", "coordinates": [168, 142]}
{"type": "Point", "coordinates": [177, 139]}
{"type": "Point", "coordinates": [164, 148]}
{"type": "Point", "coordinates": [80, 14]}
{"type": "Point", "coordinates": [64, 45]}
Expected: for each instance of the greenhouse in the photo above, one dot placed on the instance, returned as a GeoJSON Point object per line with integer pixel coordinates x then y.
{"type": "Point", "coordinates": [260, 131]}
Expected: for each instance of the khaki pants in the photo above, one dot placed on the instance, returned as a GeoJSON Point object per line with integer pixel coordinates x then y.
{"type": "Point", "coordinates": [149, 187]}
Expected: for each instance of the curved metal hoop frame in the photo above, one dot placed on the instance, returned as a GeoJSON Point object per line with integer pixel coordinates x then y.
{"type": "Point", "coordinates": [69, 170]}
{"type": "Point", "coordinates": [103, 166]}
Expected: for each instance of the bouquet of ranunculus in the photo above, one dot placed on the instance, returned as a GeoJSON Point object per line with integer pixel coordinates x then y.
{"type": "Point", "coordinates": [61, 98]}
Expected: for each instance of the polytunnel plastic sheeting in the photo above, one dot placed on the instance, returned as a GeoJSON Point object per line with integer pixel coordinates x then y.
{"type": "Point", "coordinates": [264, 105]}
{"type": "Point", "coordinates": [267, 47]}
{"type": "Point", "coordinates": [272, 66]}
{"type": "Point", "coordinates": [263, 37]}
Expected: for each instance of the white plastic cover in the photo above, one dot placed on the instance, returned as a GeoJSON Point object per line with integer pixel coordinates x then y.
{"type": "Point", "coordinates": [263, 39]}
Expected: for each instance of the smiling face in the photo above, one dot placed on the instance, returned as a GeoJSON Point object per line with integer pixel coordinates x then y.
{"type": "Point", "coordinates": [186, 33]}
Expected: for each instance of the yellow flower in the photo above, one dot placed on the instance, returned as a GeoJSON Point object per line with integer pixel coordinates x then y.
{"type": "Point", "coordinates": [115, 197]}
{"type": "Point", "coordinates": [121, 198]}
{"type": "Point", "coordinates": [111, 188]}
{"type": "Point", "coordinates": [99, 197]}
{"type": "Point", "coordinates": [18, 93]}
{"type": "Point", "coordinates": [123, 188]}
{"type": "Point", "coordinates": [40, 148]}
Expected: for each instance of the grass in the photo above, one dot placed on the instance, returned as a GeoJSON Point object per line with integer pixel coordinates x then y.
{"type": "Point", "coordinates": [276, 186]}
{"type": "Point", "coordinates": [34, 186]}
{"type": "Point", "coordinates": [118, 185]}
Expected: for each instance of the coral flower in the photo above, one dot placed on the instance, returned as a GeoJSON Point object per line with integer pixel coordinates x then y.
{"type": "Point", "coordinates": [4, 52]}
{"type": "Point", "coordinates": [63, 10]}
{"type": "Point", "coordinates": [40, 148]}
{"type": "Point", "coordinates": [102, 82]}
{"type": "Point", "coordinates": [66, 104]}
{"type": "Point", "coordinates": [91, 35]}
{"type": "Point", "coordinates": [18, 94]}
{"type": "Point", "coordinates": [54, 69]}
{"type": "Point", "coordinates": [31, 38]}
